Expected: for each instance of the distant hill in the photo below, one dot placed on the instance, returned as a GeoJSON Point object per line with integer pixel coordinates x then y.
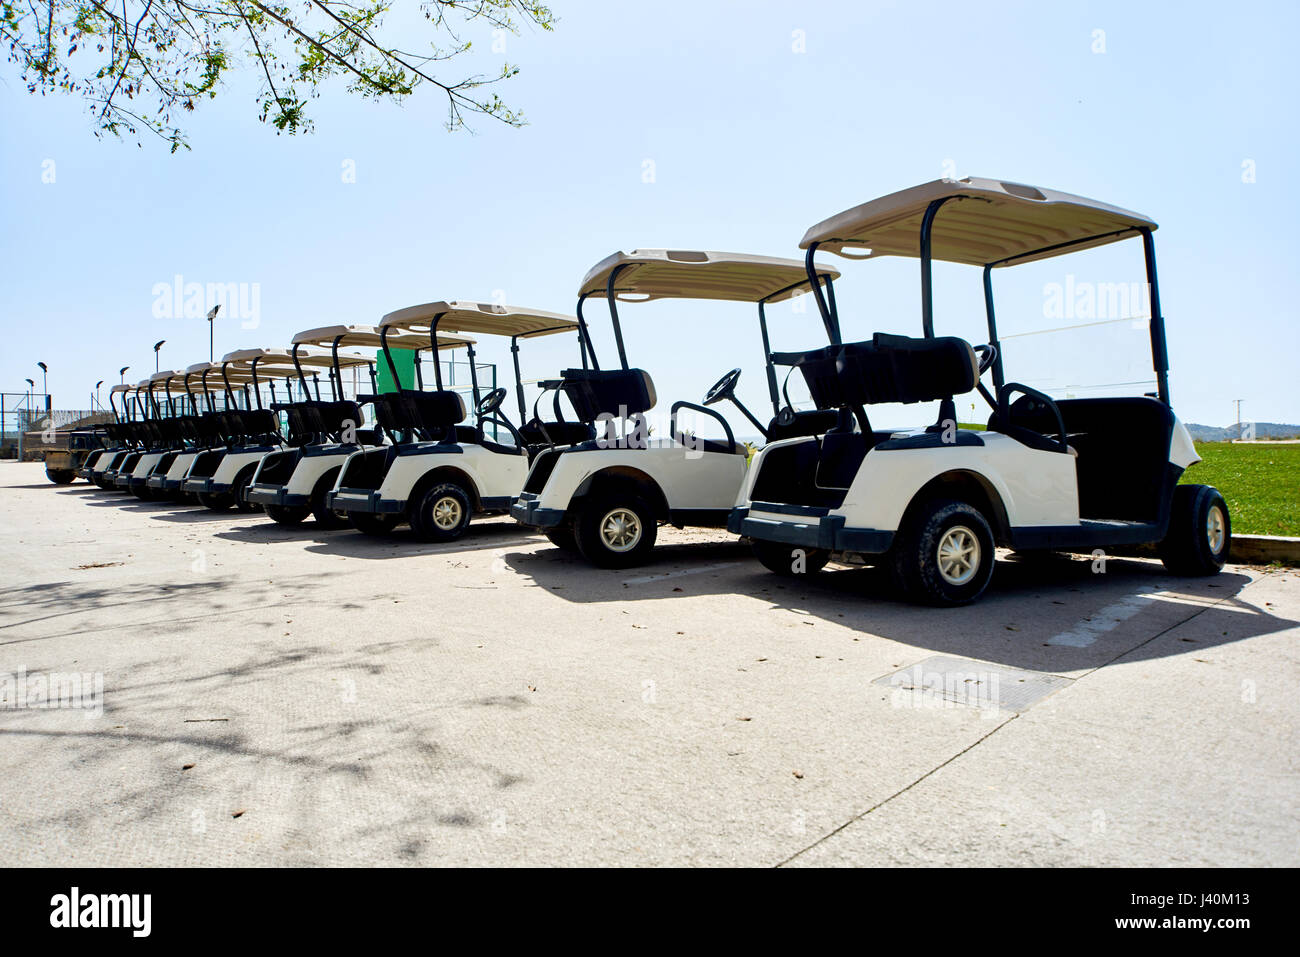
{"type": "Point", "coordinates": [1263, 430]}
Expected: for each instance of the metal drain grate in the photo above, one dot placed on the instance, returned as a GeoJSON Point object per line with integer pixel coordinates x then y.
{"type": "Point", "coordinates": [943, 681]}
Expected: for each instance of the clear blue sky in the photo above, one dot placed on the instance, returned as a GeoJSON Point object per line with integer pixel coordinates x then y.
{"type": "Point", "coordinates": [752, 142]}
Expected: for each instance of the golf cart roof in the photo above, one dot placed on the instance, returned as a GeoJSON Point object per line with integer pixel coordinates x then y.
{"type": "Point", "coordinates": [368, 337]}
{"type": "Point", "coordinates": [245, 356]}
{"type": "Point", "coordinates": [267, 358]}
{"type": "Point", "coordinates": [120, 388]}
{"type": "Point", "coordinates": [200, 367]}
{"type": "Point", "coordinates": [982, 222]}
{"type": "Point", "coordinates": [645, 274]}
{"type": "Point", "coordinates": [159, 379]}
{"type": "Point", "coordinates": [481, 317]}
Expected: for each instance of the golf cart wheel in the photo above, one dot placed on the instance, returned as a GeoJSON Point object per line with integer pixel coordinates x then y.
{"type": "Point", "coordinates": [442, 513]}
{"type": "Point", "coordinates": [240, 486]}
{"type": "Point", "coordinates": [286, 514]}
{"type": "Point", "coordinates": [60, 476]}
{"type": "Point", "coordinates": [325, 516]}
{"type": "Point", "coordinates": [1200, 531]}
{"type": "Point", "coordinates": [616, 531]}
{"type": "Point", "coordinates": [944, 554]}
{"type": "Point", "coordinates": [217, 501]}
{"type": "Point", "coordinates": [790, 560]}
{"type": "Point", "coordinates": [562, 537]}
{"type": "Point", "coordinates": [142, 492]}
{"type": "Point", "coordinates": [370, 524]}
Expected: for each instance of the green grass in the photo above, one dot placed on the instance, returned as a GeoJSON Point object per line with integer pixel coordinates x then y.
{"type": "Point", "coordinates": [1261, 484]}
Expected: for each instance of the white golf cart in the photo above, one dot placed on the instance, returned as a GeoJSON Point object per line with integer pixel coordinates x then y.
{"type": "Point", "coordinates": [201, 429]}
{"type": "Point", "coordinates": [218, 477]}
{"type": "Point", "coordinates": [292, 484]}
{"type": "Point", "coordinates": [438, 473]}
{"type": "Point", "coordinates": [606, 497]}
{"type": "Point", "coordinates": [163, 437]}
{"type": "Point", "coordinates": [141, 432]}
{"type": "Point", "coordinates": [102, 469]}
{"type": "Point", "coordinates": [932, 503]}
{"type": "Point", "coordinates": [98, 462]}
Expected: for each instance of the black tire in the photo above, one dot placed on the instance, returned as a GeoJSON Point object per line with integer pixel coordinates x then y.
{"type": "Point", "coordinates": [916, 566]}
{"type": "Point", "coordinates": [368, 523]}
{"type": "Point", "coordinates": [142, 492]}
{"type": "Point", "coordinates": [441, 513]}
{"type": "Point", "coordinates": [783, 560]}
{"type": "Point", "coordinates": [286, 514]}
{"type": "Point", "coordinates": [216, 501]}
{"type": "Point", "coordinates": [1200, 531]}
{"type": "Point", "coordinates": [60, 476]}
{"type": "Point", "coordinates": [640, 528]}
{"type": "Point", "coordinates": [562, 537]}
{"type": "Point", "coordinates": [240, 486]}
{"type": "Point", "coordinates": [325, 516]}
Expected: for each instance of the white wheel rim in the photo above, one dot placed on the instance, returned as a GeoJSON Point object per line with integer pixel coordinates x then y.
{"type": "Point", "coordinates": [446, 513]}
{"type": "Point", "coordinates": [959, 555]}
{"type": "Point", "coordinates": [620, 530]}
{"type": "Point", "coordinates": [1215, 530]}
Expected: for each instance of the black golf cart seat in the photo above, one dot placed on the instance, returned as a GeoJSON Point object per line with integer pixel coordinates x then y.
{"type": "Point", "coordinates": [842, 380]}
{"type": "Point", "coordinates": [613, 393]}
{"type": "Point", "coordinates": [437, 414]}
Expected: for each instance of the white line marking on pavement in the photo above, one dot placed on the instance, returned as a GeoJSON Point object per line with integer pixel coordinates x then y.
{"type": "Point", "coordinates": [646, 579]}
{"type": "Point", "coordinates": [1086, 632]}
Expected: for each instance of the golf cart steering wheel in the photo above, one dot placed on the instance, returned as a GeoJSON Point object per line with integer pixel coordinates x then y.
{"type": "Point", "coordinates": [723, 388]}
{"type": "Point", "coordinates": [986, 353]}
{"type": "Point", "coordinates": [489, 404]}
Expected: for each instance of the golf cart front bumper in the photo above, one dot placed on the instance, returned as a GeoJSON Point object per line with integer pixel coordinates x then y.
{"type": "Point", "coordinates": [205, 485]}
{"type": "Point", "coordinates": [266, 494]}
{"type": "Point", "coordinates": [806, 526]}
{"type": "Point", "coordinates": [363, 500]}
{"type": "Point", "coordinates": [528, 510]}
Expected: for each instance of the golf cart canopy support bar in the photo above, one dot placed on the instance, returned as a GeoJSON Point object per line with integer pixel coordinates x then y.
{"type": "Point", "coordinates": [368, 337]}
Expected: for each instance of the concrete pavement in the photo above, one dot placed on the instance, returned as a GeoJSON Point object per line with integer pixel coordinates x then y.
{"type": "Point", "coordinates": [288, 696]}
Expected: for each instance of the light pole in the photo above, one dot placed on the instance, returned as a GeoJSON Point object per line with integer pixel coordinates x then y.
{"type": "Point", "coordinates": [97, 403]}
{"type": "Point", "coordinates": [156, 346]}
{"type": "Point", "coordinates": [122, 374]}
{"type": "Point", "coordinates": [212, 314]}
{"type": "Point", "coordinates": [45, 383]}
{"type": "Point", "coordinates": [31, 387]}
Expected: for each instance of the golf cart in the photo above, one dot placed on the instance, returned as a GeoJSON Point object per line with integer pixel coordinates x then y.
{"type": "Point", "coordinates": [1048, 474]}
{"type": "Point", "coordinates": [200, 430]}
{"type": "Point", "coordinates": [293, 483]}
{"type": "Point", "coordinates": [439, 473]}
{"type": "Point", "coordinates": [119, 437]}
{"type": "Point", "coordinates": [138, 435]}
{"type": "Point", "coordinates": [219, 476]}
{"type": "Point", "coordinates": [162, 438]}
{"type": "Point", "coordinates": [606, 496]}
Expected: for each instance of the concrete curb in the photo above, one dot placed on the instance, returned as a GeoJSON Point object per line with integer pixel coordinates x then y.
{"type": "Point", "coordinates": [1263, 549]}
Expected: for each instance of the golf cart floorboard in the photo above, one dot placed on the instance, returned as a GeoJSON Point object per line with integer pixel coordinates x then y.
{"type": "Point", "coordinates": [1089, 533]}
